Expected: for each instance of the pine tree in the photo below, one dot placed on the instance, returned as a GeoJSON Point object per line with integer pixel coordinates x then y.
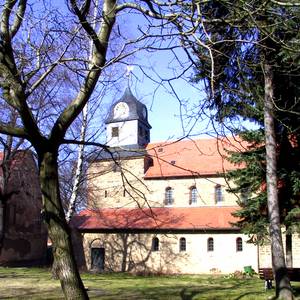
{"type": "Point", "coordinates": [247, 76]}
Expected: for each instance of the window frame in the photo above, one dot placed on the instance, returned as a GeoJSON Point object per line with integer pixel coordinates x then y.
{"type": "Point", "coordinates": [218, 194]}
{"type": "Point", "coordinates": [210, 244]}
{"type": "Point", "coordinates": [239, 244]}
{"type": "Point", "coordinates": [155, 244]}
{"type": "Point", "coordinates": [182, 244]}
{"type": "Point", "coordinates": [115, 131]}
{"type": "Point", "coordinates": [193, 195]}
{"type": "Point", "coordinates": [169, 199]}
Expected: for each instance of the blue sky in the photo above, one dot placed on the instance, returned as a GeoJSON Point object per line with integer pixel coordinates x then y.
{"type": "Point", "coordinates": [167, 103]}
{"type": "Point", "coordinates": [173, 107]}
{"type": "Point", "coordinates": [173, 112]}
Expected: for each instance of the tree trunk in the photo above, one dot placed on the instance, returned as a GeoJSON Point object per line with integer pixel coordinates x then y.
{"type": "Point", "coordinates": [58, 229]}
{"type": "Point", "coordinates": [288, 250]}
{"type": "Point", "coordinates": [1, 224]}
{"type": "Point", "coordinates": [282, 283]}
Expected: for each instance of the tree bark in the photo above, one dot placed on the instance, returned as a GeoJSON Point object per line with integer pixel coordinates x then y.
{"type": "Point", "coordinates": [288, 250]}
{"type": "Point", "coordinates": [1, 224]}
{"type": "Point", "coordinates": [282, 282]}
{"type": "Point", "coordinates": [58, 229]}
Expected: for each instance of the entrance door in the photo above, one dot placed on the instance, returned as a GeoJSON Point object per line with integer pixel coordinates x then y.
{"type": "Point", "coordinates": [97, 259]}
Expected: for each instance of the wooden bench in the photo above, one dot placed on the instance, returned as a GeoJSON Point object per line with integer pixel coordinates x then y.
{"type": "Point", "coordinates": [267, 275]}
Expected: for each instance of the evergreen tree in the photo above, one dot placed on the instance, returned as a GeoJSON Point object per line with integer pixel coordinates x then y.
{"type": "Point", "coordinates": [251, 71]}
{"type": "Point", "coordinates": [250, 186]}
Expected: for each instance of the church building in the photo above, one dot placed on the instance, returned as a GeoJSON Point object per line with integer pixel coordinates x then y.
{"type": "Point", "coordinates": [161, 207]}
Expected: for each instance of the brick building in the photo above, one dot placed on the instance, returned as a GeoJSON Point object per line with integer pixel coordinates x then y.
{"type": "Point", "coordinates": [23, 237]}
{"type": "Point", "coordinates": [161, 207]}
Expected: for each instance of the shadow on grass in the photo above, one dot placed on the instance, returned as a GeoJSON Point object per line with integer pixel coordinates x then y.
{"type": "Point", "coordinates": [180, 292]}
{"type": "Point", "coordinates": [37, 284]}
{"type": "Point", "coordinates": [220, 292]}
{"type": "Point", "coordinates": [31, 293]}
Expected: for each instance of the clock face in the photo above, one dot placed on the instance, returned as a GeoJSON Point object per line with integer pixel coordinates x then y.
{"type": "Point", "coordinates": [121, 110]}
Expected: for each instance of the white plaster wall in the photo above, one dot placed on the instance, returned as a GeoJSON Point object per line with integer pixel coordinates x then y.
{"type": "Point", "coordinates": [265, 258]}
{"type": "Point", "coordinates": [127, 133]}
{"type": "Point", "coordinates": [196, 259]}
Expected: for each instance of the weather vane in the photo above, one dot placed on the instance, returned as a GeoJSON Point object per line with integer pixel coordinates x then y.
{"type": "Point", "coordinates": [129, 70]}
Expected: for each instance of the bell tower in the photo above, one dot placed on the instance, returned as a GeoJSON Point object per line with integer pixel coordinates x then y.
{"type": "Point", "coordinates": [127, 123]}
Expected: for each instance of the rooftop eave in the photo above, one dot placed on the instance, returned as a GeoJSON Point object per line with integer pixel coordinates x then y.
{"type": "Point", "coordinates": [182, 176]}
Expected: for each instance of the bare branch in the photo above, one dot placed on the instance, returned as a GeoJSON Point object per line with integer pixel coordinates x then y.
{"type": "Point", "coordinates": [287, 3]}
{"type": "Point", "coordinates": [13, 131]}
{"type": "Point", "coordinates": [4, 25]}
{"type": "Point", "coordinates": [18, 18]}
{"type": "Point", "coordinates": [86, 143]}
{"type": "Point", "coordinates": [86, 26]}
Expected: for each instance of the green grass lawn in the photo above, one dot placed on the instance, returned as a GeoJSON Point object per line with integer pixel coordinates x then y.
{"type": "Point", "coordinates": [33, 283]}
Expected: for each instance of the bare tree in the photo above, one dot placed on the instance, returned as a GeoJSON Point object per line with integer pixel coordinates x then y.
{"type": "Point", "coordinates": [38, 41]}
{"type": "Point", "coordinates": [17, 87]}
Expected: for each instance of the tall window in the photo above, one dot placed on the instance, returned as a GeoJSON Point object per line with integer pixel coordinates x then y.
{"type": "Point", "coordinates": [193, 195]}
{"type": "Point", "coordinates": [182, 244]}
{"type": "Point", "coordinates": [239, 244]}
{"type": "Point", "coordinates": [245, 195]}
{"type": "Point", "coordinates": [155, 244]}
{"type": "Point", "coordinates": [210, 244]}
{"type": "Point", "coordinates": [218, 193]}
{"type": "Point", "coordinates": [169, 196]}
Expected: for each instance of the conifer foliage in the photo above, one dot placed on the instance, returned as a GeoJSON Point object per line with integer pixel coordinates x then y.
{"type": "Point", "coordinates": [251, 71]}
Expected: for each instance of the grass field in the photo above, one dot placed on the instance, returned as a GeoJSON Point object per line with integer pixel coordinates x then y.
{"type": "Point", "coordinates": [34, 283]}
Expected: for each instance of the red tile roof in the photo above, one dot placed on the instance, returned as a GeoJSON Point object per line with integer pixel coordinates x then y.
{"type": "Point", "coordinates": [189, 218]}
{"type": "Point", "coordinates": [192, 157]}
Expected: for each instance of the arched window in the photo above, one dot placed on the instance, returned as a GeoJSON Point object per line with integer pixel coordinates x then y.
{"type": "Point", "coordinates": [155, 244]}
{"type": "Point", "coordinates": [245, 194]}
{"type": "Point", "coordinates": [169, 196]}
{"type": "Point", "coordinates": [239, 244]}
{"type": "Point", "coordinates": [105, 194]}
{"type": "Point", "coordinates": [218, 193]}
{"type": "Point", "coordinates": [116, 167]}
{"type": "Point", "coordinates": [182, 244]}
{"type": "Point", "coordinates": [193, 195]}
{"type": "Point", "coordinates": [210, 244]}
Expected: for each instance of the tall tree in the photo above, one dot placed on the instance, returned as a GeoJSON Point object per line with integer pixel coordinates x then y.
{"type": "Point", "coordinates": [39, 40]}
{"type": "Point", "coordinates": [17, 85]}
{"type": "Point", "coordinates": [246, 49]}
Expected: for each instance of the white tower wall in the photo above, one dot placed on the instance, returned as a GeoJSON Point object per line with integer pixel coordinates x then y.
{"type": "Point", "coordinates": [127, 133]}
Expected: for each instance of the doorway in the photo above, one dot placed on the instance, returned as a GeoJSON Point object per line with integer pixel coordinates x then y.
{"type": "Point", "coordinates": [97, 259]}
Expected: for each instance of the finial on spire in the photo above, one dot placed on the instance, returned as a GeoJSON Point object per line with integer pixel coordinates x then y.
{"type": "Point", "coordinates": [129, 70]}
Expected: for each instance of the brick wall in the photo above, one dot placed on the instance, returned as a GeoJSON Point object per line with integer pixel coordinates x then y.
{"type": "Point", "coordinates": [25, 239]}
{"type": "Point", "coordinates": [109, 187]}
